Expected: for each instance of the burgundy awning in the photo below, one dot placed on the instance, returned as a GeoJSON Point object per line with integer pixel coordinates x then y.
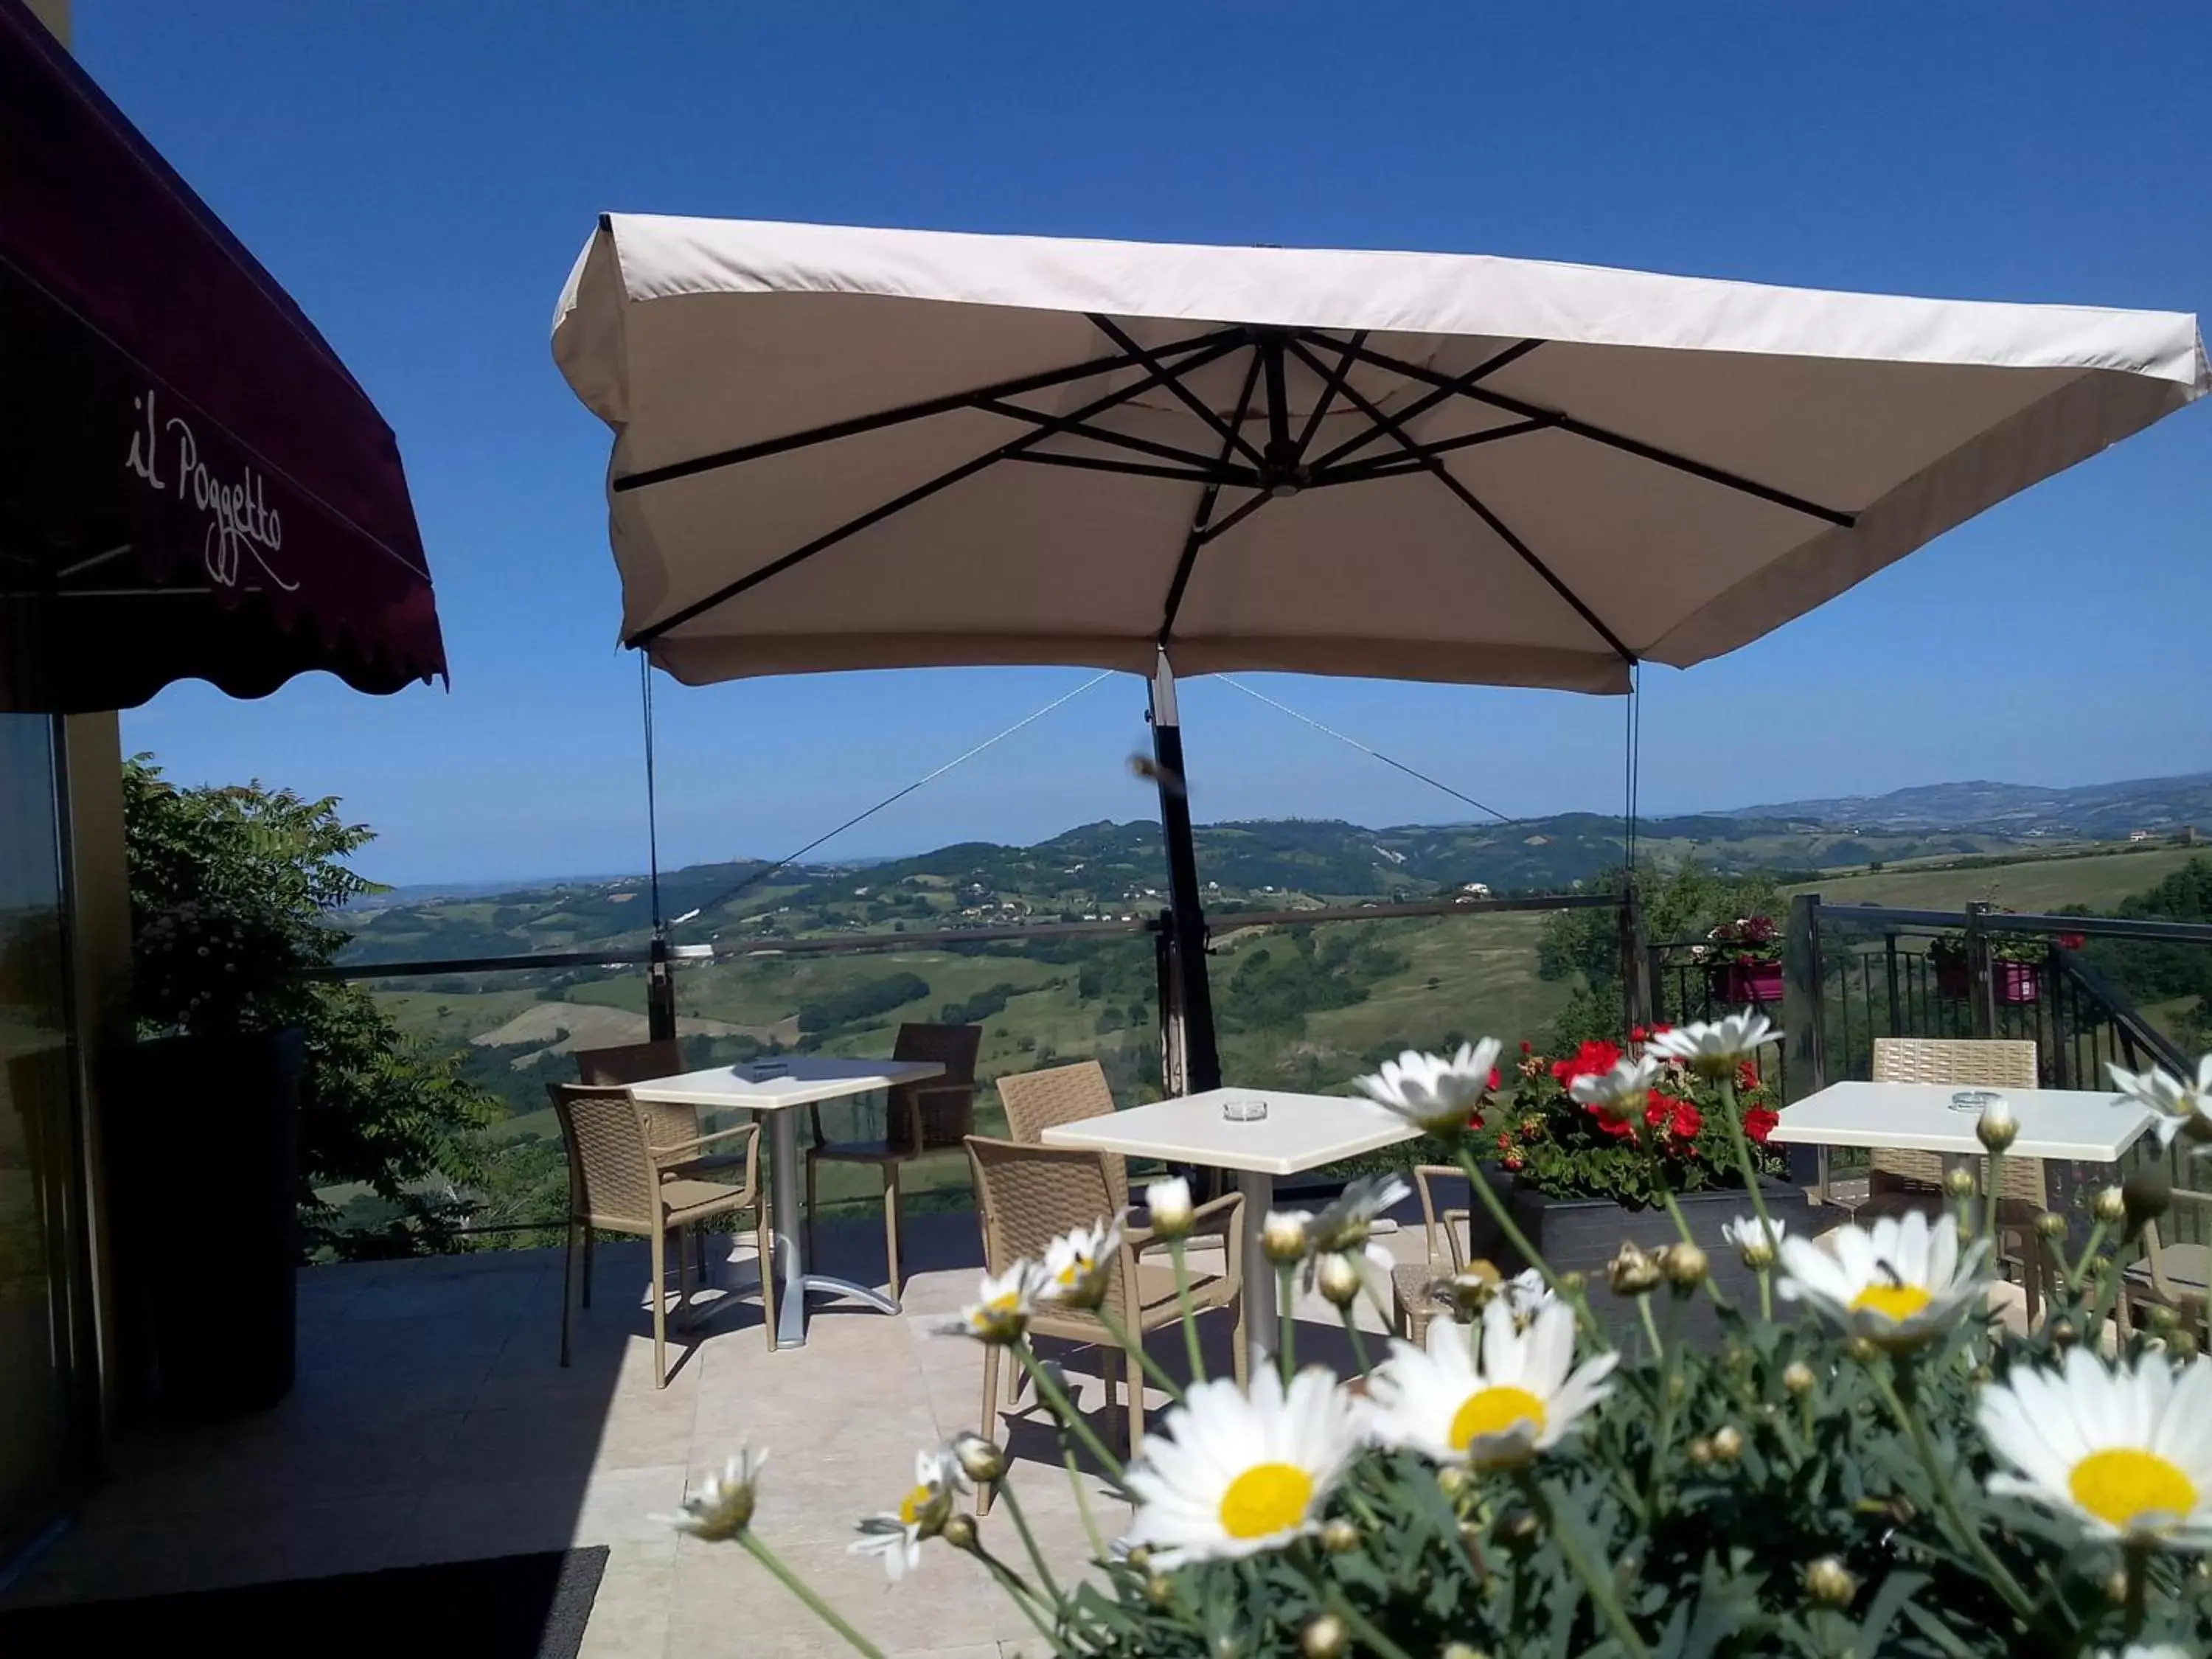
{"type": "Point", "coordinates": [192, 485]}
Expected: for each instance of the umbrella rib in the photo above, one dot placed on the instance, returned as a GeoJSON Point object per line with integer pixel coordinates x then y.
{"type": "Point", "coordinates": [1611, 440]}
{"type": "Point", "coordinates": [1219, 345]}
{"type": "Point", "coordinates": [957, 400]}
{"type": "Point", "coordinates": [1198, 537]}
{"type": "Point", "coordinates": [1396, 466]}
{"type": "Point", "coordinates": [1135, 469]}
{"type": "Point", "coordinates": [1467, 498]}
{"type": "Point", "coordinates": [1330, 387]}
{"type": "Point", "coordinates": [1444, 388]}
{"type": "Point", "coordinates": [1172, 380]}
{"type": "Point", "coordinates": [1100, 435]}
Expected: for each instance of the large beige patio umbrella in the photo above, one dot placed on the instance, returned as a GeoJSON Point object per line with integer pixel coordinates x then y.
{"type": "Point", "coordinates": [840, 448]}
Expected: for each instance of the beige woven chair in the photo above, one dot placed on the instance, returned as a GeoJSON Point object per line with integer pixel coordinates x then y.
{"type": "Point", "coordinates": [1901, 1179]}
{"type": "Point", "coordinates": [636, 1062]}
{"type": "Point", "coordinates": [1412, 1303]}
{"type": "Point", "coordinates": [2172, 1275]}
{"type": "Point", "coordinates": [919, 1118]}
{"type": "Point", "coordinates": [1037, 1101]}
{"type": "Point", "coordinates": [622, 1154]}
{"type": "Point", "coordinates": [1027, 1196]}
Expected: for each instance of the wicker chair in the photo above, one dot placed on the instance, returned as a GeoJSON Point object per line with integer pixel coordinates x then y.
{"type": "Point", "coordinates": [622, 1155]}
{"type": "Point", "coordinates": [1901, 1179]}
{"type": "Point", "coordinates": [2174, 1275]}
{"type": "Point", "coordinates": [1412, 1302]}
{"type": "Point", "coordinates": [635, 1062]}
{"type": "Point", "coordinates": [1027, 1196]}
{"type": "Point", "coordinates": [1037, 1101]}
{"type": "Point", "coordinates": [934, 1116]}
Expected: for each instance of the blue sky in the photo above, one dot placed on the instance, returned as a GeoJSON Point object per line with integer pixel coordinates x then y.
{"type": "Point", "coordinates": [421, 177]}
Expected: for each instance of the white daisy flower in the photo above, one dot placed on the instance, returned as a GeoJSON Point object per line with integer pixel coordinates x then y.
{"type": "Point", "coordinates": [1620, 1092]}
{"type": "Point", "coordinates": [1168, 1207]}
{"type": "Point", "coordinates": [2128, 1452]}
{"type": "Point", "coordinates": [1757, 1245]}
{"type": "Point", "coordinates": [1233, 1475]}
{"type": "Point", "coordinates": [1344, 1223]}
{"type": "Point", "coordinates": [1345, 1275]}
{"type": "Point", "coordinates": [896, 1535]}
{"type": "Point", "coordinates": [1498, 1410]}
{"type": "Point", "coordinates": [722, 1508]}
{"type": "Point", "coordinates": [1436, 1092]}
{"type": "Point", "coordinates": [1077, 1264]}
{"type": "Point", "coordinates": [1284, 1235]}
{"type": "Point", "coordinates": [2182, 1107]}
{"type": "Point", "coordinates": [1526, 1295]}
{"type": "Point", "coordinates": [1715, 1048]}
{"type": "Point", "coordinates": [1899, 1283]}
{"type": "Point", "coordinates": [1001, 1310]}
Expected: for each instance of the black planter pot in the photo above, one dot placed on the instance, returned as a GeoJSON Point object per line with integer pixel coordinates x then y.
{"type": "Point", "coordinates": [1580, 1234]}
{"type": "Point", "coordinates": [203, 1156]}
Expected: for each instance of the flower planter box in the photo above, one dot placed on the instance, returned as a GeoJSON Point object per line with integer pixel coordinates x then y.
{"type": "Point", "coordinates": [2017, 983]}
{"type": "Point", "coordinates": [1741, 984]}
{"type": "Point", "coordinates": [1581, 1235]}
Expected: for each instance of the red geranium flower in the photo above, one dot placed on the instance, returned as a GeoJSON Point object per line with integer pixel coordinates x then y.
{"type": "Point", "coordinates": [2070, 941]}
{"type": "Point", "coordinates": [1593, 1058]}
{"type": "Point", "coordinates": [1638, 1034]}
{"type": "Point", "coordinates": [1746, 1075]}
{"type": "Point", "coordinates": [1687, 1121]}
{"type": "Point", "coordinates": [1525, 1048]}
{"type": "Point", "coordinates": [1514, 1161]}
{"type": "Point", "coordinates": [1495, 1080]}
{"type": "Point", "coordinates": [1759, 1123]}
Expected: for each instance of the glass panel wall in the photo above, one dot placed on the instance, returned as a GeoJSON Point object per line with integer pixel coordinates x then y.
{"type": "Point", "coordinates": [38, 1432]}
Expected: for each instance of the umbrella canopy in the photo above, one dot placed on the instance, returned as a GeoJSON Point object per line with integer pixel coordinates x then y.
{"type": "Point", "coordinates": [191, 483]}
{"type": "Point", "coordinates": [844, 448]}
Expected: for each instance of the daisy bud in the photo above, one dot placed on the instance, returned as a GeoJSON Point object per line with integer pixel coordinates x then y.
{"type": "Point", "coordinates": [1324, 1637]}
{"type": "Point", "coordinates": [2110, 1206]}
{"type": "Point", "coordinates": [1283, 1237]}
{"type": "Point", "coordinates": [1998, 1129]}
{"type": "Point", "coordinates": [1829, 1583]}
{"type": "Point", "coordinates": [1340, 1536]}
{"type": "Point", "coordinates": [1860, 1350]}
{"type": "Point", "coordinates": [2182, 1344]}
{"type": "Point", "coordinates": [1337, 1280]}
{"type": "Point", "coordinates": [1797, 1378]}
{"type": "Point", "coordinates": [1159, 1590]}
{"type": "Point", "coordinates": [1728, 1442]}
{"type": "Point", "coordinates": [1139, 1558]}
{"type": "Point", "coordinates": [2147, 1194]}
{"type": "Point", "coordinates": [2050, 1224]}
{"type": "Point", "coordinates": [1451, 1480]}
{"type": "Point", "coordinates": [1631, 1272]}
{"type": "Point", "coordinates": [1960, 1183]}
{"type": "Point", "coordinates": [1573, 1282]}
{"type": "Point", "coordinates": [2115, 1588]}
{"type": "Point", "coordinates": [2161, 1318]}
{"type": "Point", "coordinates": [1701, 1452]}
{"type": "Point", "coordinates": [1168, 1203]}
{"type": "Point", "coordinates": [980, 1460]}
{"type": "Point", "coordinates": [1981, 1377]}
{"type": "Point", "coordinates": [1461, 1651]}
{"type": "Point", "coordinates": [1519, 1526]}
{"type": "Point", "coordinates": [960, 1532]}
{"type": "Point", "coordinates": [2063, 1333]}
{"type": "Point", "coordinates": [1472, 1289]}
{"type": "Point", "coordinates": [2099, 1265]}
{"type": "Point", "coordinates": [1685, 1265]}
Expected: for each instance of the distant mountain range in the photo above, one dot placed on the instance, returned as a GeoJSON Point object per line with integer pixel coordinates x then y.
{"type": "Point", "coordinates": [1109, 869]}
{"type": "Point", "coordinates": [2097, 811]}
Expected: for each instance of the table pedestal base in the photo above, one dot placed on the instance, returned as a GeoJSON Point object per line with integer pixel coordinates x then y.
{"type": "Point", "coordinates": [1260, 1314]}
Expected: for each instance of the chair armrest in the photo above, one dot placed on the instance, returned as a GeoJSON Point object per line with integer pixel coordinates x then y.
{"type": "Point", "coordinates": [683, 1148]}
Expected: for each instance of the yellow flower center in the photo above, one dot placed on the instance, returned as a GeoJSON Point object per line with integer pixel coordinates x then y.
{"type": "Point", "coordinates": [1895, 1303]}
{"type": "Point", "coordinates": [916, 1504]}
{"type": "Point", "coordinates": [2133, 1489]}
{"type": "Point", "coordinates": [1494, 1411]}
{"type": "Point", "coordinates": [1266, 1498]}
{"type": "Point", "coordinates": [1003, 1302]}
{"type": "Point", "coordinates": [1077, 1269]}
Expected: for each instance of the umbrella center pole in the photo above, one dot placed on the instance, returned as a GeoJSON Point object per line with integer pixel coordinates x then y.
{"type": "Point", "coordinates": [1186, 919]}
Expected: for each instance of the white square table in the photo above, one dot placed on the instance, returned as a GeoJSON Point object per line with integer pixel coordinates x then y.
{"type": "Point", "coordinates": [773, 1088]}
{"type": "Point", "coordinates": [1300, 1131]}
{"type": "Point", "coordinates": [2061, 1125]}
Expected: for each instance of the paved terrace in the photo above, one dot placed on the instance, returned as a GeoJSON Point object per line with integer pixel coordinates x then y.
{"type": "Point", "coordinates": [433, 1422]}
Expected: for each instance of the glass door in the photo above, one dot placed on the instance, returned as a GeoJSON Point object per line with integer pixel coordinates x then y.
{"type": "Point", "coordinates": [41, 1434]}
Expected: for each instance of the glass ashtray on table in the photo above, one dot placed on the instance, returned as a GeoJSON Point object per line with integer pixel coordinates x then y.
{"type": "Point", "coordinates": [1244, 1110]}
{"type": "Point", "coordinates": [1975, 1100]}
